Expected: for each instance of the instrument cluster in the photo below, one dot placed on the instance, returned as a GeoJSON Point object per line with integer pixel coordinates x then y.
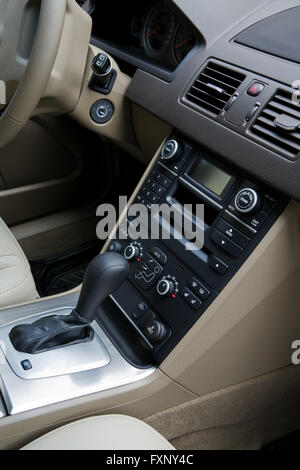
{"type": "Point", "coordinates": [152, 31]}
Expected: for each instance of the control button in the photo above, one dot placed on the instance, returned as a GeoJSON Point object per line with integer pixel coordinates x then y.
{"type": "Point", "coordinates": [160, 191]}
{"type": "Point", "coordinates": [102, 111]}
{"type": "Point", "coordinates": [140, 311]}
{"type": "Point", "coordinates": [239, 224]}
{"type": "Point", "coordinates": [256, 89]}
{"type": "Point", "coordinates": [227, 245]}
{"type": "Point", "coordinates": [153, 265]}
{"type": "Point", "coordinates": [247, 200]}
{"type": "Point", "coordinates": [177, 167]}
{"type": "Point", "coordinates": [101, 65]}
{"type": "Point", "coordinates": [171, 151]}
{"type": "Point", "coordinates": [115, 247]}
{"type": "Point", "coordinates": [252, 112]}
{"type": "Point", "coordinates": [159, 255]}
{"type": "Point", "coordinates": [230, 102]}
{"type": "Point", "coordinates": [155, 331]}
{"type": "Point", "coordinates": [131, 252]}
{"type": "Point", "coordinates": [154, 199]}
{"type": "Point", "coordinates": [199, 289]}
{"type": "Point", "coordinates": [165, 182]}
{"type": "Point", "coordinates": [191, 299]}
{"type": "Point", "coordinates": [145, 277]}
{"type": "Point", "coordinates": [217, 265]}
{"type": "Point", "coordinates": [26, 364]}
{"type": "Point", "coordinates": [269, 203]}
{"type": "Point", "coordinates": [139, 200]}
{"type": "Point", "coordinates": [165, 287]}
{"type": "Point", "coordinates": [152, 184]}
{"type": "Point", "coordinates": [258, 220]}
{"type": "Point", "coordinates": [233, 233]}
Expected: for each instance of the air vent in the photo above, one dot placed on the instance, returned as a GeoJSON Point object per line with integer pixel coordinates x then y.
{"type": "Point", "coordinates": [214, 87]}
{"type": "Point", "coordinates": [279, 124]}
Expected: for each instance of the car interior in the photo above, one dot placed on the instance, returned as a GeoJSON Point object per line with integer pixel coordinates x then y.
{"type": "Point", "coordinates": [122, 343]}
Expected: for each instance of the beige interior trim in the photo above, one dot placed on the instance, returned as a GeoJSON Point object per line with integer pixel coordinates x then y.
{"type": "Point", "coordinates": [120, 128]}
{"type": "Point", "coordinates": [139, 400]}
{"type": "Point", "coordinates": [244, 416]}
{"type": "Point", "coordinates": [37, 73]}
{"type": "Point", "coordinates": [249, 329]}
{"type": "Point", "coordinates": [64, 85]}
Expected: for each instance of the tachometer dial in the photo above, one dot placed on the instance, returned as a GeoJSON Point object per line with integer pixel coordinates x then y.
{"type": "Point", "coordinates": [159, 29]}
{"type": "Point", "coordinates": [185, 40]}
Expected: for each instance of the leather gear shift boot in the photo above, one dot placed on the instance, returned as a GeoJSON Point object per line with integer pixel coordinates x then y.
{"type": "Point", "coordinates": [50, 333]}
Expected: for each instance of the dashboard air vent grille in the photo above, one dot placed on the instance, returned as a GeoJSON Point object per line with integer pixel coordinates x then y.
{"type": "Point", "coordinates": [279, 124]}
{"type": "Point", "coordinates": [214, 87]}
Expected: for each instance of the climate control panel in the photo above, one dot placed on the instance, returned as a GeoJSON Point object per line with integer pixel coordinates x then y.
{"type": "Point", "coordinates": [169, 286]}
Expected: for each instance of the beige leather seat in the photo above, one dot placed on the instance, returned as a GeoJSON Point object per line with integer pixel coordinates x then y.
{"type": "Point", "coordinates": [16, 281]}
{"type": "Point", "coordinates": [111, 432]}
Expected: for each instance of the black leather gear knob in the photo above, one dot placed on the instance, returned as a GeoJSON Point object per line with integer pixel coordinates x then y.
{"type": "Point", "coordinates": [104, 275]}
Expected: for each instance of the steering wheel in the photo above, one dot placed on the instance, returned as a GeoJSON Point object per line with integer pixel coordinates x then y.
{"type": "Point", "coordinates": [30, 35]}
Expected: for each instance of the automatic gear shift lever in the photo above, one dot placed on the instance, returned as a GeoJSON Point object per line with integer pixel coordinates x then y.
{"type": "Point", "coordinates": [104, 275]}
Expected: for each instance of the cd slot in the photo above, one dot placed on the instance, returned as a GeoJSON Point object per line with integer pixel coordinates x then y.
{"type": "Point", "coordinates": [184, 196]}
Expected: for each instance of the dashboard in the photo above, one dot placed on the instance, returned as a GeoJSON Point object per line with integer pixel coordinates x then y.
{"type": "Point", "coordinates": [151, 35]}
{"type": "Point", "coordinates": [195, 65]}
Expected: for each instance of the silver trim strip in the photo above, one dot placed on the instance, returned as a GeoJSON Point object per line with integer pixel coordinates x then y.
{"type": "Point", "coordinates": [200, 193]}
{"type": "Point", "coordinates": [240, 221]}
{"type": "Point", "coordinates": [23, 395]}
{"type": "Point", "coordinates": [169, 157]}
{"type": "Point", "coordinates": [250, 208]}
{"type": "Point", "coordinates": [131, 321]}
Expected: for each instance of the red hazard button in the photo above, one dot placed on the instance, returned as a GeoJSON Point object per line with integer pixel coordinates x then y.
{"type": "Point", "coordinates": [255, 89]}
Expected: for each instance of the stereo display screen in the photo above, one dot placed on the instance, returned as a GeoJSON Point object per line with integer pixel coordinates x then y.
{"type": "Point", "coordinates": [210, 176]}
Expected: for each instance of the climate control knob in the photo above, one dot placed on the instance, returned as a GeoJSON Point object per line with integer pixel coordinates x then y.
{"type": "Point", "coordinates": [171, 151]}
{"type": "Point", "coordinates": [247, 201]}
{"type": "Point", "coordinates": [165, 287]}
{"type": "Point", "coordinates": [131, 252]}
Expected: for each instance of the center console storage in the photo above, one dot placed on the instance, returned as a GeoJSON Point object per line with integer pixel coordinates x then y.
{"type": "Point", "coordinates": [169, 287]}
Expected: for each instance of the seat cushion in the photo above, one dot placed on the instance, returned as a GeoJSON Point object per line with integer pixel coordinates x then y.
{"type": "Point", "coordinates": [110, 432]}
{"type": "Point", "coordinates": [16, 281]}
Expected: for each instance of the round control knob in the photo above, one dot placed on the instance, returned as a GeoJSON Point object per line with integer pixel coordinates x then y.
{"type": "Point", "coordinates": [247, 201]}
{"type": "Point", "coordinates": [155, 331]}
{"type": "Point", "coordinates": [165, 287]}
{"type": "Point", "coordinates": [171, 151]}
{"type": "Point", "coordinates": [101, 65]}
{"type": "Point", "coordinates": [131, 252]}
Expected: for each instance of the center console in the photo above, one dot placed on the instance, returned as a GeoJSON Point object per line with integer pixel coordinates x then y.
{"type": "Point", "coordinates": [140, 298]}
{"type": "Point", "coordinates": [169, 287]}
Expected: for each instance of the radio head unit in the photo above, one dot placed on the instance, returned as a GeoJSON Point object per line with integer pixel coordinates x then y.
{"type": "Point", "coordinates": [170, 287]}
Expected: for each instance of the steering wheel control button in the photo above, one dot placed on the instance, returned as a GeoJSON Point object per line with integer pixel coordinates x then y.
{"type": "Point", "coordinates": [217, 265]}
{"type": "Point", "coordinates": [226, 244]}
{"type": "Point", "coordinates": [102, 111]}
{"type": "Point", "coordinates": [171, 151]}
{"type": "Point", "coordinates": [256, 89]}
{"type": "Point", "coordinates": [231, 232]}
{"type": "Point", "coordinates": [155, 331]}
{"type": "Point", "coordinates": [247, 201]}
{"type": "Point", "coordinates": [26, 364]}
